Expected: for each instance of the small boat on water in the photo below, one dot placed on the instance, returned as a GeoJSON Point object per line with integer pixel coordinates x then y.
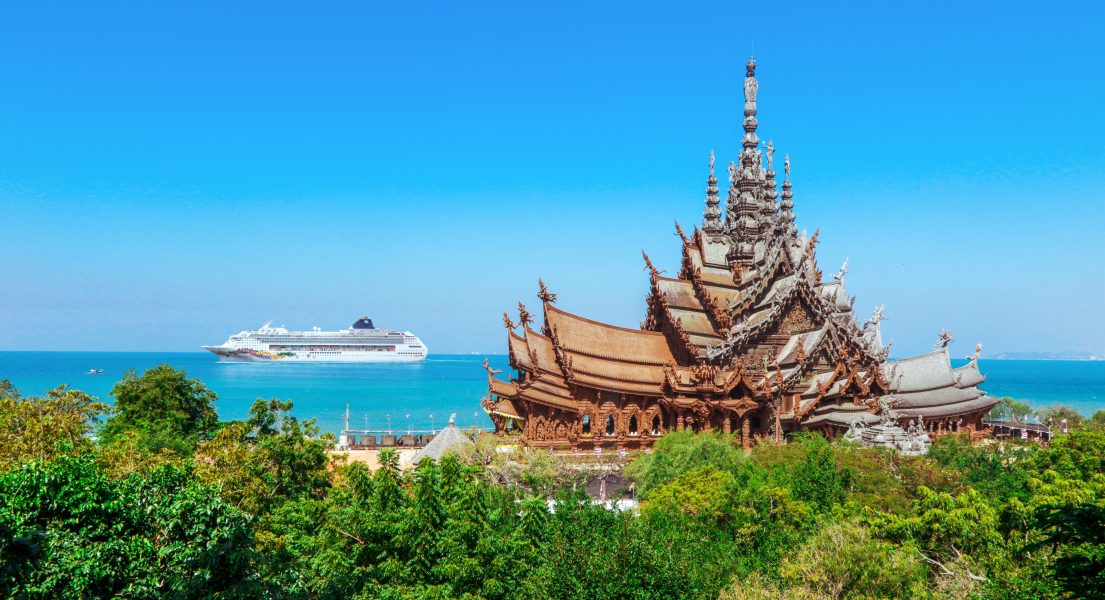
{"type": "Point", "coordinates": [95, 371]}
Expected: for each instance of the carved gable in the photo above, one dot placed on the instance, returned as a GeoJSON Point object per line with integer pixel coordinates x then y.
{"type": "Point", "coordinates": [798, 319]}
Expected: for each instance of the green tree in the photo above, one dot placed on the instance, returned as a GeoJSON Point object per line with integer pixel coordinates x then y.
{"type": "Point", "coordinates": [843, 560]}
{"type": "Point", "coordinates": [41, 428]}
{"type": "Point", "coordinates": [681, 452]}
{"type": "Point", "coordinates": [8, 391]}
{"type": "Point", "coordinates": [79, 534]}
{"type": "Point", "coordinates": [1076, 533]}
{"type": "Point", "coordinates": [1057, 413]}
{"type": "Point", "coordinates": [269, 459]}
{"type": "Point", "coordinates": [818, 478]}
{"type": "Point", "coordinates": [163, 408]}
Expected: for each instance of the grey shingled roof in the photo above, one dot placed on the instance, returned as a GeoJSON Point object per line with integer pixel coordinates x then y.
{"type": "Point", "coordinates": [919, 373]}
{"type": "Point", "coordinates": [450, 439]}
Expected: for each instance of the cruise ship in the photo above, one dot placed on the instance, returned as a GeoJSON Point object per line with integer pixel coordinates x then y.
{"type": "Point", "coordinates": [362, 342]}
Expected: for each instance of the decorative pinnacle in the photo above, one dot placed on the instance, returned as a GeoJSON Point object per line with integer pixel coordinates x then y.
{"type": "Point", "coordinates": [649, 266]}
{"type": "Point", "coordinates": [524, 318]}
{"type": "Point", "coordinates": [679, 232]}
{"type": "Point", "coordinates": [786, 166]}
{"type": "Point", "coordinates": [750, 68]}
{"type": "Point", "coordinates": [712, 215]}
{"type": "Point", "coordinates": [543, 292]}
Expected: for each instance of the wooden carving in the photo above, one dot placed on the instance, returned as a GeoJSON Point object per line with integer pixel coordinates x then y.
{"type": "Point", "coordinates": [544, 294]}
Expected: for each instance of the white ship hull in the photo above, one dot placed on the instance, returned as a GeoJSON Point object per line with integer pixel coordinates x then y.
{"type": "Point", "coordinates": [352, 357]}
{"type": "Point", "coordinates": [362, 343]}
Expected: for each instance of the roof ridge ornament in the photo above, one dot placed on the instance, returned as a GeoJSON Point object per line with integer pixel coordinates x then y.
{"type": "Point", "coordinates": [524, 318]}
{"type": "Point", "coordinates": [945, 339]}
{"type": "Point", "coordinates": [839, 275]}
{"type": "Point", "coordinates": [679, 232]}
{"type": "Point", "coordinates": [977, 354]}
{"type": "Point", "coordinates": [876, 317]}
{"type": "Point", "coordinates": [653, 273]}
{"type": "Point", "coordinates": [544, 294]}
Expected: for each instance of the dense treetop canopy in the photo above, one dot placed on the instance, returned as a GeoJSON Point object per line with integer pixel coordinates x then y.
{"type": "Point", "coordinates": [164, 501]}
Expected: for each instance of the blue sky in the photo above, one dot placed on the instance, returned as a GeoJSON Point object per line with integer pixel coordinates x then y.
{"type": "Point", "coordinates": [172, 173]}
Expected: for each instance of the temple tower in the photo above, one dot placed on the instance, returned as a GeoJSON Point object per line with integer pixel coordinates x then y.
{"type": "Point", "coordinates": [746, 181]}
{"type": "Point", "coordinates": [786, 206]}
{"type": "Point", "coordinates": [711, 223]}
{"type": "Point", "coordinates": [769, 210]}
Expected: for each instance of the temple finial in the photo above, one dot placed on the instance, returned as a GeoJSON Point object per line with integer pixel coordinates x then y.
{"type": "Point", "coordinates": [769, 211]}
{"type": "Point", "coordinates": [746, 208]}
{"type": "Point", "coordinates": [751, 87]}
{"type": "Point", "coordinates": [524, 318]}
{"type": "Point", "coordinates": [711, 222]}
{"type": "Point", "coordinates": [652, 271]}
{"type": "Point", "coordinates": [786, 206]}
{"type": "Point", "coordinates": [679, 232]}
{"type": "Point", "coordinates": [543, 292]}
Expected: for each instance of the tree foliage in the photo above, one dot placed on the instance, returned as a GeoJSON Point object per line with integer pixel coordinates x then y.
{"type": "Point", "coordinates": [40, 428]}
{"type": "Point", "coordinates": [163, 409]}
{"type": "Point", "coordinates": [169, 503]}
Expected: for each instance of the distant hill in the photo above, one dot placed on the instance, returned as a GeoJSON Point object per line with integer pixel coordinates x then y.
{"type": "Point", "coordinates": [1045, 356]}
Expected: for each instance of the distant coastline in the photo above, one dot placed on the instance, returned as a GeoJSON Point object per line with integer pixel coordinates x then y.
{"type": "Point", "coordinates": [1046, 356]}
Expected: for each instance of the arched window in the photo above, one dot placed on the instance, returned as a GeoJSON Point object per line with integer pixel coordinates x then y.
{"type": "Point", "coordinates": [633, 425]}
{"type": "Point", "coordinates": [610, 425]}
{"type": "Point", "coordinates": [586, 424]}
{"type": "Point", "coordinates": [656, 425]}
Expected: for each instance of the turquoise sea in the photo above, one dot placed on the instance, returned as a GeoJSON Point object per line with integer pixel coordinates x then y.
{"type": "Point", "coordinates": [441, 385]}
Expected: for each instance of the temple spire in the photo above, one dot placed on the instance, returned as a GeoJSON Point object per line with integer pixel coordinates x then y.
{"type": "Point", "coordinates": [751, 87]}
{"type": "Point", "coordinates": [712, 224]}
{"type": "Point", "coordinates": [743, 216]}
{"type": "Point", "coordinates": [786, 206]}
{"type": "Point", "coordinates": [770, 208]}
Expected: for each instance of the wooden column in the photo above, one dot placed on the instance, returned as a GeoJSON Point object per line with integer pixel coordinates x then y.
{"type": "Point", "coordinates": [746, 432]}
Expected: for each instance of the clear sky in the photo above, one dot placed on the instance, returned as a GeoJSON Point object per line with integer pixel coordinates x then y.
{"type": "Point", "coordinates": [170, 174]}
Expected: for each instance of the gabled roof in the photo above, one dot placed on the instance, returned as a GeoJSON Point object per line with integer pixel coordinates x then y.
{"type": "Point", "coordinates": [968, 375]}
{"type": "Point", "coordinates": [918, 373]}
{"type": "Point", "coordinates": [589, 337]}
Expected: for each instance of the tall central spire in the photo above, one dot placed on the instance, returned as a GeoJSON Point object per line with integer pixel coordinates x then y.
{"type": "Point", "coordinates": [747, 181]}
{"type": "Point", "coordinates": [751, 86]}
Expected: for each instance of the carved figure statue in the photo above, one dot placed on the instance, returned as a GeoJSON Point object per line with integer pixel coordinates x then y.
{"type": "Point", "coordinates": [770, 153]}
{"type": "Point", "coordinates": [507, 322]}
{"type": "Point", "coordinates": [491, 372]}
{"type": "Point", "coordinates": [839, 276]}
{"type": "Point", "coordinates": [886, 411]}
{"type": "Point", "coordinates": [945, 339]}
{"type": "Point", "coordinates": [977, 354]}
{"type": "Point", "coordinates": [786, 172]}
{"type": "Point", "coordinates": [524, 318]}
{"type": "Point", "coordinates": [750, 85]}
{"type": "Point", "coordinates": [544, 294]}
{"type": "Point", "coordinates": [876, 317]}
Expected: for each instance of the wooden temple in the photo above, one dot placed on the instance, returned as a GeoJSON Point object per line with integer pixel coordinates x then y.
{"type": "Point", "coordinates": [749, 339]}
